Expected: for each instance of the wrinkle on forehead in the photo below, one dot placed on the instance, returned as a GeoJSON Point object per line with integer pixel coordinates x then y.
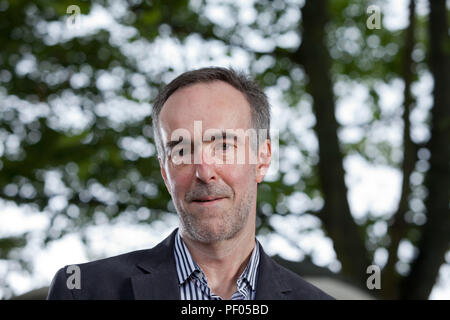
{"type": "Point", "coordinates": [217, 104]}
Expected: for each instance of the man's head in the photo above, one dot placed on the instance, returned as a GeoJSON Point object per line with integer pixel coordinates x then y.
{"type": "Point", "coordinates": [220, 100]}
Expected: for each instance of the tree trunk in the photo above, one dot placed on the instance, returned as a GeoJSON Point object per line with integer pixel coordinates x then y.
{"type": "Point", "coordinates": [399, 227]}
{"type": "Point", "coordinates": [436, 232]}
{"type": "Point", "coordinates": [335, 216]}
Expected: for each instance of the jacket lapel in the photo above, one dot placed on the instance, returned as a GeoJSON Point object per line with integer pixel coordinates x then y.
{"type": "Point", "coordinates": [159, 280]}
{"type": "Point", "coordinates": [271, 284]}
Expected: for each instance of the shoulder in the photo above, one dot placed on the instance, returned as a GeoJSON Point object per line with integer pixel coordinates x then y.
{"type": "Point", "coordinates": [123, 263]}
{"type": "Point", "coordinates": [108, 278]}
{"type": "Point", "coordinates": [97, 279]}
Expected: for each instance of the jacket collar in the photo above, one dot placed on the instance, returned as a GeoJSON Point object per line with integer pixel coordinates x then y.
{"type": "Point", "coordinates": [159, 281]}
{"type": "Point", "coordinates": [159, 278]}
{"type": "Point", "coordinates": [271, 284]}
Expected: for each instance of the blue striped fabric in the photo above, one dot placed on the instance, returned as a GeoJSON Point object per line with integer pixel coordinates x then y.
{"type": "Point", "coordinates": [194, 285]}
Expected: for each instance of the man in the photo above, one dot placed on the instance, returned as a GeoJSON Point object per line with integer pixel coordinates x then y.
{"type": "Point", "coordinates": [212, 160]}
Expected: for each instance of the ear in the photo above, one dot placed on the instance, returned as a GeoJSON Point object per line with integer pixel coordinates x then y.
{"type": "Point", "coordinates": [264, 158]}
{"type": "Point", "coordinates": [164, 174]}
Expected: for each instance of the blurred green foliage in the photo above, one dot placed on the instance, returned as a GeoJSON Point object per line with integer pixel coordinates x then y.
{"type": "Point", "coordinates": [44, 70]}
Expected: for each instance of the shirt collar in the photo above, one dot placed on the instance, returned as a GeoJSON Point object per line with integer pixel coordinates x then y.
{"type": "Point", "coordinates": [186, 265]}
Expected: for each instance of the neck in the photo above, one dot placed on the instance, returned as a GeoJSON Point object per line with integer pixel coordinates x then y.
{"type": "Point", "coordinates": [223, 261]}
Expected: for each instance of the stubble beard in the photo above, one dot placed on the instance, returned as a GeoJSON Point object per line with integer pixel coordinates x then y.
{"type": "Point", "coordinates": [231, 221]}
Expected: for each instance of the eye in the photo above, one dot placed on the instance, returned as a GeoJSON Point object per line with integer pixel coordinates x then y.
{"type": "Point", "coordinates": [226, 146]}
{"type": "Point", "coordinates": [180, 150]}
{"type": "Point", "coordinates": [181, 154]}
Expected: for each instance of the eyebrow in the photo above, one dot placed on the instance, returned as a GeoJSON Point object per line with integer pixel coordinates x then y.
{"type": "Point", "coordinates": [171, 144]}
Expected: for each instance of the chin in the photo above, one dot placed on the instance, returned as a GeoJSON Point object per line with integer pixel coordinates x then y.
{"type": "Point", "coordinates": [210, 234]}
{"type": "Point", "coordinates": [216, 232]}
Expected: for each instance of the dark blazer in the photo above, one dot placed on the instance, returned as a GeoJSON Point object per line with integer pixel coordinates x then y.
{"type": "Point", "coordinates": [151, 274]}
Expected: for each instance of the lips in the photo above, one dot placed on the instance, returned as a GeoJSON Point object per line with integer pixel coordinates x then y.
{"type": "Point", "coordinates": [204, 199]}
{"type": "Point", "coordinates": [207, 201]}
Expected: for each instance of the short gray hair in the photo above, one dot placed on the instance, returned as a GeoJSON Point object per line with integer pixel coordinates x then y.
{"type": "Point", "coordinates": [257, 99]}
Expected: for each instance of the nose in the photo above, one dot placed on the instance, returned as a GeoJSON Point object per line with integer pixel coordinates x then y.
{"type": "Point", "coordinates": [205, 171]}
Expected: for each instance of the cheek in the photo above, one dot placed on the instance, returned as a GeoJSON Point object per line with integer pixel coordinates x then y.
{"type": "Point", "coordinates": [179, 181]}
{"type": "Point", "coordinates": [238, 177]}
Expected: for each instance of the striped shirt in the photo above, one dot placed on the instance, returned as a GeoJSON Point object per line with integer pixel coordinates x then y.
{"type": "Point", "coordinates": [194, 285]}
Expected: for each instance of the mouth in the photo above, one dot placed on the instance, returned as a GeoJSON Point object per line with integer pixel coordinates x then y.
{"type": "Point", "coordinates": [207, 201]}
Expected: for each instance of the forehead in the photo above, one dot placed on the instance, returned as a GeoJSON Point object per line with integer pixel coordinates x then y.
{"type": "Point", "coordinates": [217, 105]}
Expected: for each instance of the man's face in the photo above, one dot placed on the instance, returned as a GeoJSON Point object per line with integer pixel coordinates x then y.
{"type": "Point", "coordinates": [219, 107]}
